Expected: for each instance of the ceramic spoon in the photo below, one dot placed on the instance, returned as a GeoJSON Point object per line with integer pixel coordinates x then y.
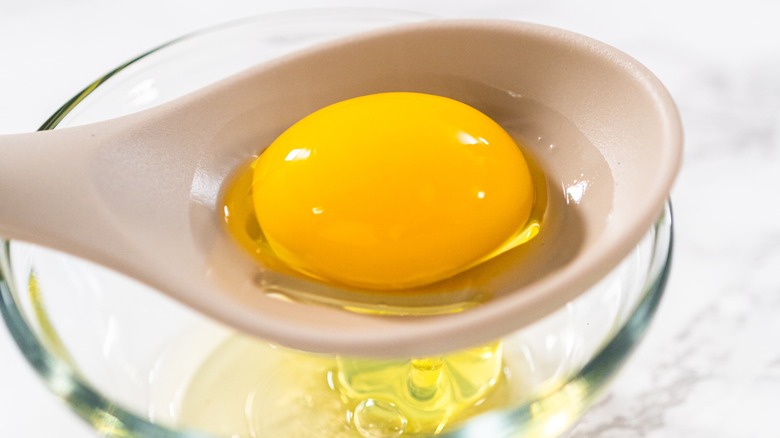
{"type": "Point", "coordinates": [141, 194]}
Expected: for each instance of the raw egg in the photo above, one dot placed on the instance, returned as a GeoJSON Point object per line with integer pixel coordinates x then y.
{"type": "Point", "coordinates": [390, 191]}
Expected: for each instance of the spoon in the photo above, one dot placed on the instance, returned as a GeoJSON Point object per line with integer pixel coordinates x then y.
{"type": "Point", "coordinates": [141, 193]}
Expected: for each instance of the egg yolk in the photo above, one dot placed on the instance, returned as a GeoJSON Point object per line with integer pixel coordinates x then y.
{"type": "Point", "coordinates": [391, 191]}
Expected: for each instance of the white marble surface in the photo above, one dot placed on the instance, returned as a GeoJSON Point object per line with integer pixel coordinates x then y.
{"type": "Point", "coordinates": [710, 366]}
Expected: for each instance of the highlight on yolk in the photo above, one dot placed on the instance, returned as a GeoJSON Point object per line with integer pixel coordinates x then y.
{"type": "Point", "coordinates": [391, 191]}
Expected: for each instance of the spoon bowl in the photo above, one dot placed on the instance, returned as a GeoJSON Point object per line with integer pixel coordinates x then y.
{"type": "Point", "coordinates": [141, 193]}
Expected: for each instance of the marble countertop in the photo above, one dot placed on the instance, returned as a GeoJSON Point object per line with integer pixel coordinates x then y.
{"type": "Point", "coordinates": [710, 365]}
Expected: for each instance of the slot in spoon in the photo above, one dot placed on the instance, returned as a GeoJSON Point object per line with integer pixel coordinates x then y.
{"type": "Point", "coordinates": [141, 193]}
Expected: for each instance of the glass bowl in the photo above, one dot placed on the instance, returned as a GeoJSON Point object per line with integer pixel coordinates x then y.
{"type": "Point", "coordinates": [131, 362]}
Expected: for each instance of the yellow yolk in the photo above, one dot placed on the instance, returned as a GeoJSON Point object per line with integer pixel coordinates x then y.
{"type": "Point", "coordinates": [391, 191]}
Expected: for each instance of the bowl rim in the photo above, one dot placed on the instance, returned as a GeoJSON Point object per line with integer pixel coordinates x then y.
{"type": "Point", "coordinates": [112, 419]}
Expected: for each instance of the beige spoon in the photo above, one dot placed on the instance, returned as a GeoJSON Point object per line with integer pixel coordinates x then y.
{"type": "Point", "coordinates": [141, 194]}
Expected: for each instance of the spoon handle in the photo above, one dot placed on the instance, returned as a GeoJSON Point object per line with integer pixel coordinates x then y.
{"type": "Point", "coordinates": [47, 195]}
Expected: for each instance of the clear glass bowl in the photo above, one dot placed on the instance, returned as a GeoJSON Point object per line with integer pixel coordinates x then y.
{"type": "Point", "coordinates": [133, 363]}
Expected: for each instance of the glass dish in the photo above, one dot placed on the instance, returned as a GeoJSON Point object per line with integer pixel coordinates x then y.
{"type": "Point", "coordinates": [124, 357]}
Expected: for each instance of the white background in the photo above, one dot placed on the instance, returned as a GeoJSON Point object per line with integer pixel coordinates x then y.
{"type": "Point", "coordinates": [711, 364]}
